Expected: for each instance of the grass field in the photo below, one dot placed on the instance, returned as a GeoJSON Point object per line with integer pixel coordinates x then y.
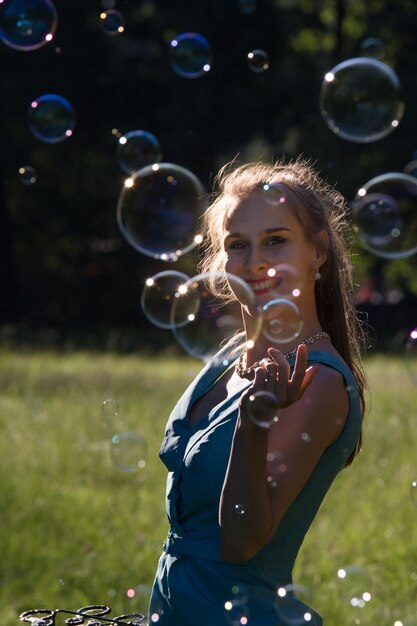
{"type": "Point", "coordinates": [77, 528]}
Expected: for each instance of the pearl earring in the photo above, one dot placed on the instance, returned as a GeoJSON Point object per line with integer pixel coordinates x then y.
{"type": "Point", "coordinates": [318, 275]}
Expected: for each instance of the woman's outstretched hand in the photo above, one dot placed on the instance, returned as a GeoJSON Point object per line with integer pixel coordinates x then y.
{"type": "Point", "coordinates": [273, 388]}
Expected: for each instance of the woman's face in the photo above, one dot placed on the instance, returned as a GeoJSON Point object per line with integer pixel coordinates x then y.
{"type": "Point", "coordinates": [259, 239]}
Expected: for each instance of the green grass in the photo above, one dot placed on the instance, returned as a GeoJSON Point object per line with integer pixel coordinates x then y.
{"type": "Point", "coordinates": [77, 530]}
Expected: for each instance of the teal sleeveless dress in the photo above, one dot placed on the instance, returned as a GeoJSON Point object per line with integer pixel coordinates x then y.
{"type": "Point", "coordinates": [193, 586]}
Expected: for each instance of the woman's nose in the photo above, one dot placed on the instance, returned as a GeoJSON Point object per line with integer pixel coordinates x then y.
{"type": "Point", "coordinates": [256, 261]}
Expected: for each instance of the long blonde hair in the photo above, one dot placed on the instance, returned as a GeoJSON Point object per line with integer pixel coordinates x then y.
{"type": "Point", "coordinates": [317, 206]}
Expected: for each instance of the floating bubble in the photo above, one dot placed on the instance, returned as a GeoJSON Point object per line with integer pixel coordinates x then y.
{"type": "Point", "coordinates": [110, 408]}
{"type": "Point", "coordinates": [411, 355]}
{"type": "Point", "coordinates": [158, 296]}
{"type": "Point", "coordinates": [112, 22]}
{"type": "Point", "coordinates": [237, 612]}
{"type": "Point", "coordinates": [372, 47]}
{"type": "Point", "coordinates": [239, 509]}
{"type": "Point", "coordinates": [360, 100]}
{"type": "Point", "coordinates": [354, 586]}
{"type": "Point", "coordinates": [281, 320]}
{"type": "Point", "coordinates": [190, 55]}
{"type": "Point", "coordinates": [27, 24]}
{"type": "Point", "coordinates": [413, 492]}
{"type": "Point", "coordinates": [274, 193]}
{"type": "Point", "coordinates": [291, 607]}
{"type": "Point", "coordinates": [27, 175]}
{"type": "Point", "coordinates": [202, 323]}
{"type": "Point", "coordinates": [385, 215]}
{"type": "Point", "coordinates": [262, 408]}
{"type": "Point", "coordinates": [137, 149]}
{"type": "Point", "coordinates": [129, 451]}
{"type": "Point", "coordinates": [51, 118]}
{"type": "Point", "coordinates": [258, 61]}
{"type": "Point", "coordinates": [159, 211]}
{"type": "Point", "coordinates": [287, 281]}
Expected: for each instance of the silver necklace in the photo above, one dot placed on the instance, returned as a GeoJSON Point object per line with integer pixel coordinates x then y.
{"type": "Point", "coordinates": [245, 372]}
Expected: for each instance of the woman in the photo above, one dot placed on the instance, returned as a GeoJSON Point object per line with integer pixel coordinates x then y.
{"type": "Point", "coordinates": [242, 492]}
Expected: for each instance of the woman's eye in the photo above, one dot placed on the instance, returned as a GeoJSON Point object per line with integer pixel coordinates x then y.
{"type": "Point", "coordinates": [272, 241]}
{"type": "Point", "coordinates": [237, 245]}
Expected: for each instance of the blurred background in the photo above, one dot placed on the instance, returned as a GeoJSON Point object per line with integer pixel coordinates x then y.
{"type": "Point", "coordinates": [67, 274]}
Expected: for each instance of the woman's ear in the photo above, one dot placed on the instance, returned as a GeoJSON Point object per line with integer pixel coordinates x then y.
{"type": "Point", "coordinates": [322, 247]}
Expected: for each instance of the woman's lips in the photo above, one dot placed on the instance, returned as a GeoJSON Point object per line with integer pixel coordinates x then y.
{"type": "Point", "coordinates": [260, 287]}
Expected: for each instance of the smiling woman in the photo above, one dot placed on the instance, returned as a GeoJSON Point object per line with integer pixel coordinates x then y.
{"type": "Point", "coordinates": [255, 442]}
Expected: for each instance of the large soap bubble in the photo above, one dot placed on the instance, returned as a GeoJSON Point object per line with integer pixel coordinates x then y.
{"type": "Point", "coordinates": [385, 215]}
{"type": "Point", "coordinates": [137, 149]}
{"type": "Point", "coordinates": [159, 211]}
{"type": "Point", "coordinates": [51, 118]}
{"type": "Point", "coordinates": [202, 322]}
{"type": "Point", "coordinates": [27, 24]}
{"type": "Point", "coordinates": [190, 55]}
{"type": "Point", "coordinates": [360, 100]}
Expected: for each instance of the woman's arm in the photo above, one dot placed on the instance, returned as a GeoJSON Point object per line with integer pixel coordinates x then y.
{"type": "Point", "coordinates": [268, 467]}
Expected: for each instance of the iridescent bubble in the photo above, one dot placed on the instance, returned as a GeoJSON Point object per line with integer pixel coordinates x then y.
{"type": "Point", "coordinates": [237, 612]}
{"type": "Point", "coordinates": [239, 509]}
{"type": "Point", "coordinates": [202, 322]}
{"type": "Point", "coordinates": [258, 61]}
{"type": "Point", "coordinates": [287, 282]}
{"type": "Point", "coordinates": [137, 149]}
{"type": "Point", "coordinates": [190, 55]}
{"type": "Point", "coordinates": [291, 605]}
{"type": "Point", "coordinates": [354, 586]}
{"type": "Point", "coordinates": [360, 100]}
{"type": "Point", "coordinates": [411, 355]}
{"type": "Point", "coordinates": [274, 193]}
{"type": "Point", "coordinates": [129, 451]}
{"type": "Point", "coordinates": [385, 215]}
{"type": "Point", "coordinates": [372, 47]}
{"type": "Point", "coordinates": [158, 296]}
{"type": "Point", "coordinates": [159, 211]}
{"type": "Point", "coordinates": [110, 408]}
{"type": "Point", "coordinates": [413, 492]}
{"type": "Point", "coordinates": [51, 118]}
{"type": "Point", "coordinates": [262, 408]}
{"type": "Point", "coordinates": [281, 320]}
{"type": "Point", "coordinates": [27, 24]}
{"type": "Point", "coordinates": [27, 175]}
{"type": "Point", "coordinates": [112, 22]}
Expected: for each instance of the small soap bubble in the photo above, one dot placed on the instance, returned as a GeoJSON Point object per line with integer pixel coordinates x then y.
{"type": "Point", "coordinates": [258, 61]}
{"type": "Point", "coordinates": [274, 193]}
{"type": "Point", "coordinates": [190, 55]}
{"type": "Point", "coordinates": [112, 22]}
{"type": "Point", "coordinates": [306, 437]}
{"type": "Point", "coordinates": [285, 281]}
{"type": "Point", "coordinates": [51, 118]}
{"type": "Point", "coordinates": [237, 612]}
{"type": "Point", "coordinates": [202, 322]}
{"type": "Point", "coordinates": [158, 295]}
{"type": "Point", "coordinates": [291, 605]}
{"type": "Point", "coordinates": [239, 509]}
{"type": "Point", "coordinates": [27, 24]}
{"type": "Point", "coordinates": [372, 47]}
{"type": "Point", "coordinates": [413, 492]}
{"type": "Point", "coordinates": [384, 214]}
{"type": "Point", "coordinates": [27, 175]}
{"type": "Point", "coordinates": [159, 211]}
{"type": "Point", "coordinates": [110, 408]}
{"type": "Point", "coordinates": [411, 355]}
{"type": "Point", "coordinates": [137, 149]}
{"type": "Point", "coordinates": [129, 451]}
{"type": "Point", "coordinates": [281, 320]}
{"type": "Point", "coordinates": [360, 100]}
{"type": "Point", "coordinates": [262, 408]}
{"type": "Point", "coordinates": [353, 586]}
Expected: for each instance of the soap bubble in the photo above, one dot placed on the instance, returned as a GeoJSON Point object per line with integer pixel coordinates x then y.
{"type": "Point", "coordinates": [385, 215]}
{"type": "Point", "coordinates": [291, 607]}
{"type": "Point", "coordinates": [281, 320]}
{"type": "Point", "coordinates": [137, 149]}
{"type": "Point", "coordinates": [190, 55]}
{"type": "Point", "coordinates": [51, 118]}
{"type": "Point", "coordinates": [158, 296]}
{"type": "Point", "coordinates": [372, 47]}
{"type": "Point", "coordinates": [110, 408]}
{"type": "Point", "coordinates": [27, 175]}
{"type": "Point", "coordinates": [159, 211]}
{"type": "Point", "coordinates": [354, 586]}
{"type": "Point", "coordinates": [112, 22]}
{"type": "Point", "coordinates": [360, 100]}
{"type": "Point", "coordinates": [413, 492]}
{"type": "Point", "coordinates": [239, 509]}
{"type": "Point", "coordinates": [262, 408]}
{"type": "Point", "coordinates": [237, 612]}
{"type": "Point", "coordinates": [258, 60]}
{"type": "Point", "coordinates": [287, 282]}
{"type": "Point", "coordinates": [129, 451]}
{"type": "Point", "coordinates": [411, 355]}
{"type": "Point", "coordinates": [202, 323]}
{"type": "Point", "coordinates": [27, 24]}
